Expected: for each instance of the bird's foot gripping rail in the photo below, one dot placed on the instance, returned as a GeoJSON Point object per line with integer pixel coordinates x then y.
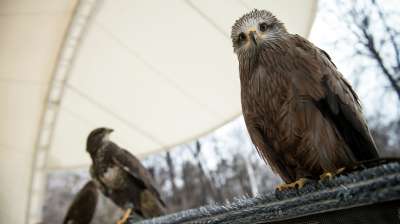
{"type": "Point", "coordinates": [369, 196]}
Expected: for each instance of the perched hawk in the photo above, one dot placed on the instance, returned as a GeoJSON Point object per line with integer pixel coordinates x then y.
{"type": "Point", "coordinates": [121, 177]}
{"type": "Point", "coordinates": [83, 206]}
{"type": "Point", "coordinates": [302, 115]}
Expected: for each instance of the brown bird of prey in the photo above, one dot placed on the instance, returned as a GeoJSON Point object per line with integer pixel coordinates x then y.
{"type": "Point", "coordinates": [83, 206]}
{"type": "Point", "coordinates": [121, 177]}
{"type": "Point", "coordinates": [302, 115]}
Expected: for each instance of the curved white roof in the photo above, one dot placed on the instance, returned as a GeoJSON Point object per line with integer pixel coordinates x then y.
{"type": "Point", "coordinates": [159, 72]}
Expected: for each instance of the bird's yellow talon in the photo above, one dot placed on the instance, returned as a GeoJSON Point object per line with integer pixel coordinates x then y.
{"type": "Point", "coordinates": [300, 183]}
{"type": "Point", "coordinates": [329, 175]}
{"type": "Point", "coordinates": [340, 170]}
{"type": "Point", "coordinates": [281, 187]}
{"type": "Point", "coordinates": [297, 184]}
{"type": "Point", "coordinates": [125, 216]}
{"type": "Point", "coordinates": [326, 176]}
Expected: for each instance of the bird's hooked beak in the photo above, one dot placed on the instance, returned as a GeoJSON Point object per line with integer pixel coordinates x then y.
{"type": "Point", "coordinates": [106, 136]}
{"type": "Point", "coordinates": [253, 35]}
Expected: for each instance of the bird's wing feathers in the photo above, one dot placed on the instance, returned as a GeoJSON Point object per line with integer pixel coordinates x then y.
{"type": "Point", "coordinates": [338, 100]}
{"type": "Point", "coordinates": [132, 165]}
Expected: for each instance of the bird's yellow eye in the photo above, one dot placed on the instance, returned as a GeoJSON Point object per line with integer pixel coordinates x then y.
{"type": "Point", "coordinates": [263, 27]}
{"type": "Point", "coordinates": [241, 37]}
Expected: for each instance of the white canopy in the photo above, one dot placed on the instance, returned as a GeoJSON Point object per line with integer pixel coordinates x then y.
{"type": "Point", "coordinates": [159, 72]}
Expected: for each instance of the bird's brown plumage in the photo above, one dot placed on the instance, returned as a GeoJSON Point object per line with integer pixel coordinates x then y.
{"type": "Point", "coordinates": [82, 208]}
{"type": "Point", "coordinates": [121, 177]}
{"type": "Point", "coordinates": [302, 115]}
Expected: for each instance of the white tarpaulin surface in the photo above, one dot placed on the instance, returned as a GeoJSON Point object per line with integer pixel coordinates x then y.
{"type": "Point", "coordinates": [159, 72]}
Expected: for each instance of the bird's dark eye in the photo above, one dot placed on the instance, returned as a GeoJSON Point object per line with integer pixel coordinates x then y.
{"type": "Point", "coordinates": [242, 37]}
{"type": "Point", "coordinates": [264, 26]}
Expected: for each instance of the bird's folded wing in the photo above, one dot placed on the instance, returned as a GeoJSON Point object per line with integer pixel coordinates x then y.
{"type": "Point", "coordinates": [333, 96]}
{"type": "Point", "coordinates": [132, 165]}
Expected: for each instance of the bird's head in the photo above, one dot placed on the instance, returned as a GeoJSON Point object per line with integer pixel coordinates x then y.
{"type": "Point", "coordinates": [254, 31]}
{"type": "Point", "coordinates": [97, 138]}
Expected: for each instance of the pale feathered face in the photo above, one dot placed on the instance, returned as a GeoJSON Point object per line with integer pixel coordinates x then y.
{"type": "Point", "coordinates": [255, 30]}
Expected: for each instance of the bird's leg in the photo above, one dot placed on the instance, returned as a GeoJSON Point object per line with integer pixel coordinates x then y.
{"type": "Point", "coordinates": [125, 216]}
{"type": "Point", "coordinates": [329, 175]}
{"type": "Point", "coordinates": [296, 184]}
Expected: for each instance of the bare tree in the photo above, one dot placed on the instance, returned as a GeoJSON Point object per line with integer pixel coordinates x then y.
{"type": "Point", "coordinates": [205, 179]}
{"type": "Point", "coordinates": [171, 171]}
{"type": "Point", "coordinates": [375, 36]}
{"type": "Point", "coordinates": [369, 31]}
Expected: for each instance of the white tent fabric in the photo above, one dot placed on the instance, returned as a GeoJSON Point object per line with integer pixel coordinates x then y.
{"type": "Point", "coordinates": [159, 72]}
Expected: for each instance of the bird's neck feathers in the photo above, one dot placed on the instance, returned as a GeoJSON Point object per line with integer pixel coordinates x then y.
{"type": "Point", "coordinates": [247, 65]}
{"type": "Point", "coordinates": [97, 147]}
{"type": "Point", "coordinates": [269, 56]}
